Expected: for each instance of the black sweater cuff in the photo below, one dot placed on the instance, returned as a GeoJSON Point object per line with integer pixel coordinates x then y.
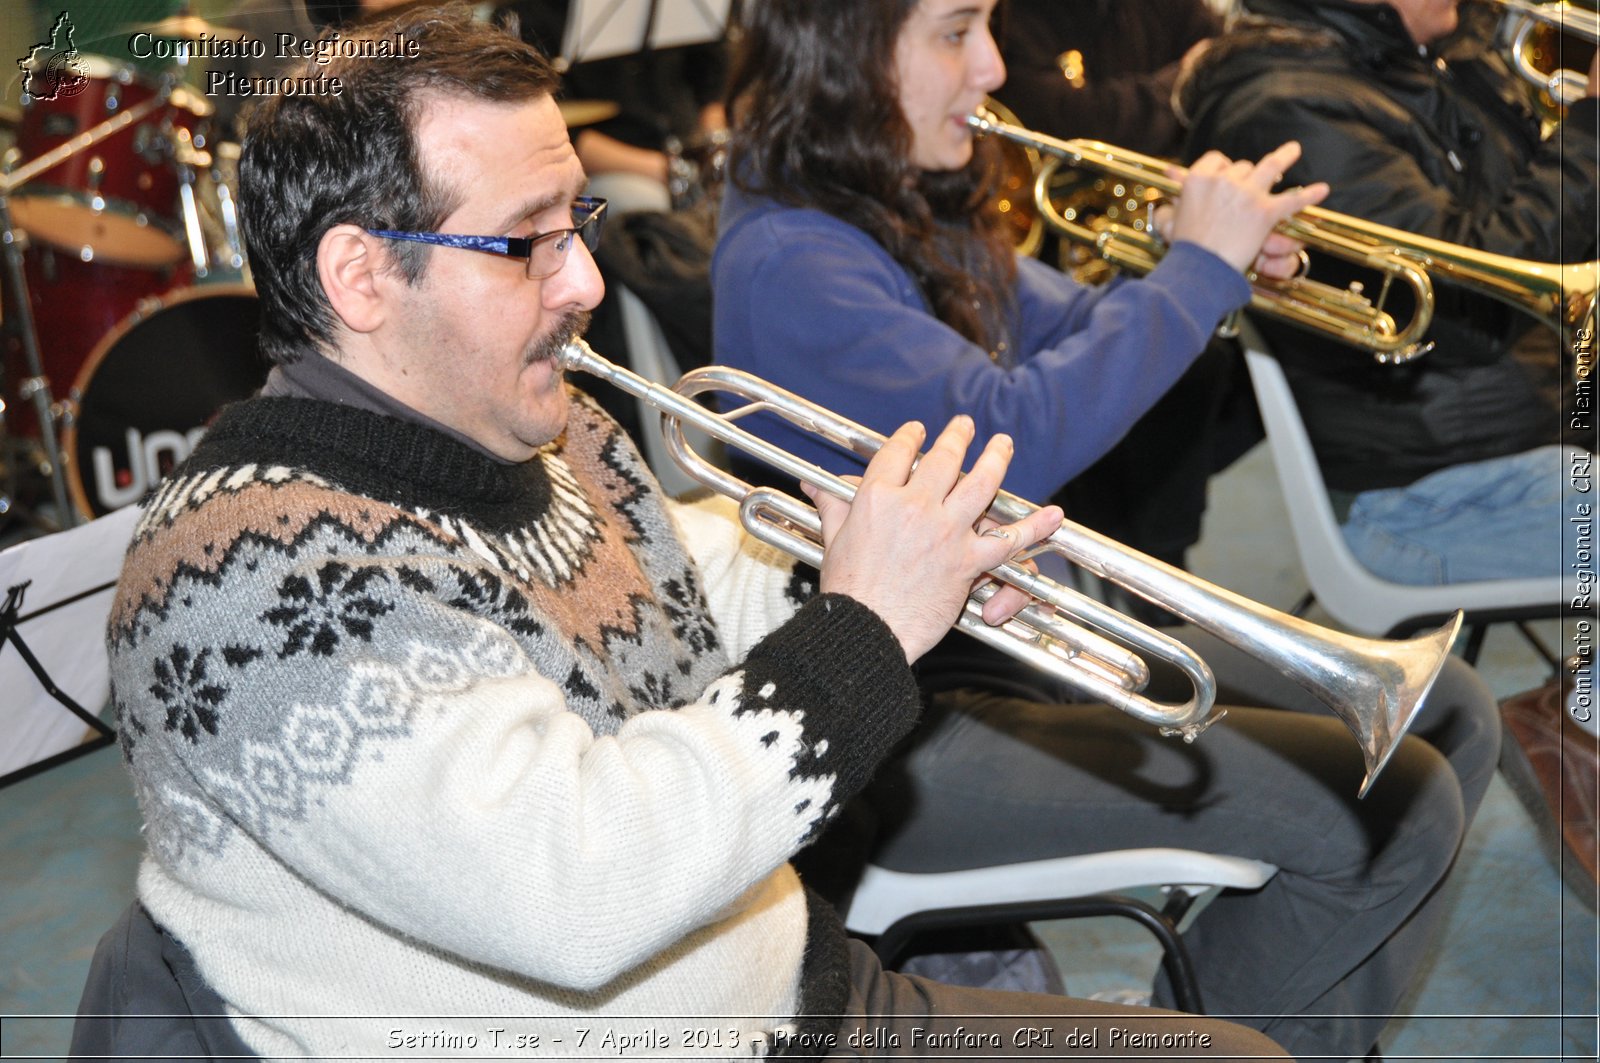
{"type": "Point", "coordinates": [838, 663]}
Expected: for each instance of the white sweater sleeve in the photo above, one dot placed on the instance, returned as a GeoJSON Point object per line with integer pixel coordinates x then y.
{"type": "Point", "coordinates": [751, 587]}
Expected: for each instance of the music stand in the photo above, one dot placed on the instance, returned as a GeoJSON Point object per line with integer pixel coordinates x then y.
{"type": "Point", "coordinates": [52, 657]}
{"type": "Point", "coordinates": [601, 29]}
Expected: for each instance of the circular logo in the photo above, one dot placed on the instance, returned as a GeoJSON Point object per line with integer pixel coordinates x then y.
{"type": "Point", "coordinates": [65, 75]}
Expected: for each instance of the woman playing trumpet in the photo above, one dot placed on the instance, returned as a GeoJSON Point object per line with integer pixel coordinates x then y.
{"type": "Point", "coordinates": [858, 267]}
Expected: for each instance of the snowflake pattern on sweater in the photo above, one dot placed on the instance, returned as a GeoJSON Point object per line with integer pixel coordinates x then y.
{"type": "Point", "coordinates": [392, 707]}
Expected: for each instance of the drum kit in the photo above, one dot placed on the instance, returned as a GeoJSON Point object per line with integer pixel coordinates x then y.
{"type": "Point", "coordinates": [129, 316]}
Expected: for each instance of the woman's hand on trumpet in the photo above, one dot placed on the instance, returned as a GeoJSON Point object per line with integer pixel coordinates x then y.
{"type": "Point", "coordinates": [915, 539]}
{"type": "Point", "coordinates": [1229, 208]}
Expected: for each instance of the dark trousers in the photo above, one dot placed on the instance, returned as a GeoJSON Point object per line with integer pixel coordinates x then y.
{"type": "Point", "coordinates": [144, 998]}
{"type": "Point", "coordinates": [1321, 956]}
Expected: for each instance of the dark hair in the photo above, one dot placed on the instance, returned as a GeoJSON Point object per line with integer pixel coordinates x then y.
{"type": "Point", "coordinates": [818, 123]}
{"type": "Point", "coordinates": [315, 160]}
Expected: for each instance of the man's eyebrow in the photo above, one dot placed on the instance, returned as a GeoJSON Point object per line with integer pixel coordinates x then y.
{"type": "Point", "coordinates": [528, 209]}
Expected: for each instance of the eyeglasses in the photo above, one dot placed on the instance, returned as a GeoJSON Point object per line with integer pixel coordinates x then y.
{"type": "Point", "coordinates": [544, 253]}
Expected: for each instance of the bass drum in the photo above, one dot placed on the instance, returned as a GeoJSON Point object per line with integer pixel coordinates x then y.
{"type": "Point", "coordinates": [150, 389]}
{"type": "Point", "coordinates": [76, 304]}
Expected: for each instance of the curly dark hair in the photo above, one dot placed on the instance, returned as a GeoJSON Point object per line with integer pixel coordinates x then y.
{"type": "Point", "coordinates": [315, 160]}
{"type": "Point", "coordinates": [818, 123]}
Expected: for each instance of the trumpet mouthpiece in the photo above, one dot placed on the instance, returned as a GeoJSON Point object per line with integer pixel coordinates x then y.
{"type": "Point", "coordinates": [573, 353]}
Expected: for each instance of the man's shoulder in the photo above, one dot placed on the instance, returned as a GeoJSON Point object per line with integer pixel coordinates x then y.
{"type": "Point", "coordinates": [241, 503]}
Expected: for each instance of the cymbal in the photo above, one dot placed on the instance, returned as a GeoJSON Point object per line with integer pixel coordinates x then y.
{"type": "Point", "coordinates": [10, 117]}
{"type": "Point", "coordinates": [587, 112]}
{"type": "Point", "coordinates": [187, 27]}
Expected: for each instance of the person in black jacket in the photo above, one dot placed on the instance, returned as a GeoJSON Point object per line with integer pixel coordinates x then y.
{"type": "Point", "coordinates": [1449, 467]}
{"type": "Point", "coordinates": [1101, 68]}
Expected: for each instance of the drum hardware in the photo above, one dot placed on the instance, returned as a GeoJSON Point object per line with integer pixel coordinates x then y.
{"type": "Point", "coordinates": [89, 137]}
{"type": "Point", "coordinates": [191, 162]}
{"type": "Point", "coordinates": [35, 386]}
{"type": "Point", "coordinates": [117, 202]}
{"type": "Point", "coordinates": [230, 237]}
{"type": "Point", "coordinates": [1374, 686]}
{"type": "Point", "coordinates": [696, 168]}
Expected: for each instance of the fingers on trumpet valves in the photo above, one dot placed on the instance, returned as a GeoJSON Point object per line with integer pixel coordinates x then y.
{"type": "Point", "coordinates": [1015, 543]}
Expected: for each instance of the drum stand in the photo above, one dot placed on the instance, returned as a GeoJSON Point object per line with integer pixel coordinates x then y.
{"type": "Point", "coordinates": [35, 387]}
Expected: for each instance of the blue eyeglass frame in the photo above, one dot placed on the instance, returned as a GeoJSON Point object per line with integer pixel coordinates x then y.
{"type": "Point", "coordinates": [587, 229]}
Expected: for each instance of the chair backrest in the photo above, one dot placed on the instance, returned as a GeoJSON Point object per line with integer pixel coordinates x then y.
{"type": "Point", "coordinates": [651, 357]}
{"type": "Point", "coordinates": [1352, 595]}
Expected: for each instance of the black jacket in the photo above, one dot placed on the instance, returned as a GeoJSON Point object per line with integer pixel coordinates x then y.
{"type": "Point", "coordinates": [1442, 144]}
{"type": "Point", "coordinates": [1130, 51]}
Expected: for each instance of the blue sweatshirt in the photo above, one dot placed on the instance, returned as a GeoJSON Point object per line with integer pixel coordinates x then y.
{"type": "Point", "coordinates": [816, 305]}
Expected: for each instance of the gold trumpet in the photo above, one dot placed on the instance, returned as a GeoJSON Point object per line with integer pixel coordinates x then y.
{"type": "Point", "coordinates": [1560, 294]}
{"type": "Point", "coordinates": [1374, 685]}
{"type": "Point", "coordinates": [1527, 32]}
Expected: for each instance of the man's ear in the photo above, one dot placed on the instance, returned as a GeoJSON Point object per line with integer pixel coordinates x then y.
{"type": "Point", "coordinates": [349, 260]}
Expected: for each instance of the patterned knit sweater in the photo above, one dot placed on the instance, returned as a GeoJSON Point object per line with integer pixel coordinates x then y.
{"type": "Point", "coordinates": [436, 753]}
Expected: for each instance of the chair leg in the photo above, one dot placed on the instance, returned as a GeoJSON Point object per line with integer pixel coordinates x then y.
{"type": "Point", "coordinates": [1539, 646]}
{"type": "Point", "coordinates": [1474, 646]}
{"type": "Point", "coordinates": [1175, 958]}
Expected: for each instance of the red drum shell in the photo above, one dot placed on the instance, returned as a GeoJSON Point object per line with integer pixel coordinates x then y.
{"type": "Point", "coordinates": [118, 197]}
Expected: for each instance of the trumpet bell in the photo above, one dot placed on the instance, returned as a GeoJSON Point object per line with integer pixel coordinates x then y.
{"type": "Point", "coordinates": [1400, 674]}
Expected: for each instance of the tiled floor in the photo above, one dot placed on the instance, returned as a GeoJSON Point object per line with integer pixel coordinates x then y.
{"type": "Point", "coordinates": [1518, 955]}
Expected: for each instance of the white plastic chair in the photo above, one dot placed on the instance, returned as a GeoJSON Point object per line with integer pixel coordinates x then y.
{"type": "Point", "coordinates": [892, 906]}
{"type": "Point", "coordinates": [1350, 593]}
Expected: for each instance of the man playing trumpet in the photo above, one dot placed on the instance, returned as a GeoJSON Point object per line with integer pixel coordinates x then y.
{"type": "Point", "coordinates": [451, 734]}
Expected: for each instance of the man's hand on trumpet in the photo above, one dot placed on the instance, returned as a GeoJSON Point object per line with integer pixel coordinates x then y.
{"type": "Point", "coordinates": [1228, 207]}
{"type": "Point", "coordinates": [914, 540]}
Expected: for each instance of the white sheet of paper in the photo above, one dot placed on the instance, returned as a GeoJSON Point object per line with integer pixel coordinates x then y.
{"type": "Point", "coordinates": [69, 642]}
{"type": "Point", "coordinates": [601, 29]}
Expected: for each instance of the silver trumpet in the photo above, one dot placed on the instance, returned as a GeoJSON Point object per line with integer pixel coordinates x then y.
{"type": "Point", "coordinates": [1374, 685]}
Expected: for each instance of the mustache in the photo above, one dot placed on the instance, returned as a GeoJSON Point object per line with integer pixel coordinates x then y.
{"type": "Point", "coordinates": [563, 332]}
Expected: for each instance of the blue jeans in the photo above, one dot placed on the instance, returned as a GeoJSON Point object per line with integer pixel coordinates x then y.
{"type": "Point", "coordinates": [1504, 518]}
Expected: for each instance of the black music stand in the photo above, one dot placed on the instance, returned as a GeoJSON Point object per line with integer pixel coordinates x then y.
{"type": "Point", "coordinates": [52, 658]}
{"type": "Point", "coordinates": [602, 29]}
